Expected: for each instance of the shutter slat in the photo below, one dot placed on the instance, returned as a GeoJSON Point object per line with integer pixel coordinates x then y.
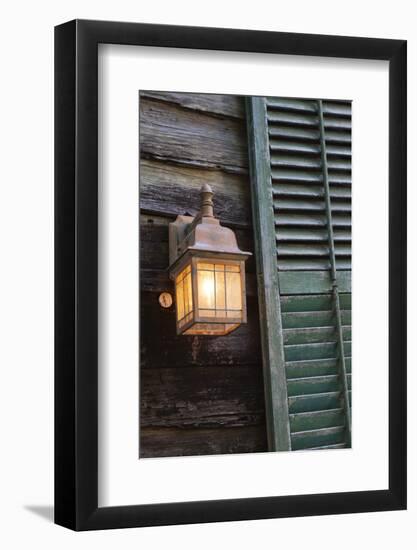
{"type": "Point", "coordinates": [293, 161]}
{"type": "Point", "coordinates": [297, 175]}
{"type": "Point", "coordinates": [312, 282]}
{"type": "Point", "coordinates": [309, 335]}
{"type": "Point", "coordinates": [317, 419]}
{"type": "Point", "coordinates": [312, 302]}
{"type": "Point", "coordinates": [295, 133]}
{"type": "Point", "coordinates": [314, 367]}
{"type": "Point", "coordinates": [312, 205]}
{"type": "Point", "coordinates": [312, 385]}
{"type": "Point", "coordinates": [340, 164]}
{"type": "Point", "coordinates": [305, 319]}
{"type": "Point", "coordinates": [304, 303]}
{"type": "Point", "coordinates": [325, 447]}
{"type": "Point", "coordinates": [311, 263]}
{"type": "Point", "coordinates": [305, 148]}
{"type": "Point", "coordinates": [314, 438]}
{"type": "Point", "coordinates": [337, 123]}
{"type": "Point", "coordinates": [282, 174]}
{"type": "Point", "coordinates": [315, 402]}
{"type": "Point", "coordinates": [293, 234]}
{"type": "Point", "coordinates": [308, 190]}
{"type": "Point", "coordinates": [297, 105]}
{"type": "Point", "coordinates": [323, 350]}
{"type": "Point", "coordinates": [333, 136]}
{"type": "Point", "coordinates": [294, 119]}
{"type": "Point", "coordinates": [310, 219]}
{"type": "Point", "coordinates": [295, 250]}
{"type": "Point", "coordinates": [339, 150]}
{"type": "Point", "coordinates": [339, 109]}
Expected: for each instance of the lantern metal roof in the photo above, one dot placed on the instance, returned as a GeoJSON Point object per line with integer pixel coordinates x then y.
{"type": "Point", "coordinates": [202, 235]}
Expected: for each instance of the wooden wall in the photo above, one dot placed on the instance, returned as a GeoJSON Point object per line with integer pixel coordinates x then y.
{"type": "Point", "coordinates": [198, 395]}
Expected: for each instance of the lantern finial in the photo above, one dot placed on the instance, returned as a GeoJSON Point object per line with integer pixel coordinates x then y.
{"type": "Point", "coordinates": [206, 194]}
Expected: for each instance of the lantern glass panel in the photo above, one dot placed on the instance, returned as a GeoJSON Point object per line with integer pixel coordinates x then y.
{"type": "Point", "coordinates": [184, 296]}
{"type": "Point", "coordinates": [219, 290]}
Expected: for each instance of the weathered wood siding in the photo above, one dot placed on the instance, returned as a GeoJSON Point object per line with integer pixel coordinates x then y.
{"type": "Point", "coordinates": [198, 395]}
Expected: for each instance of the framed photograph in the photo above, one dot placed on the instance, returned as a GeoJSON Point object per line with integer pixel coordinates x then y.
{"type": "Point", "coordinates": [230, 252]}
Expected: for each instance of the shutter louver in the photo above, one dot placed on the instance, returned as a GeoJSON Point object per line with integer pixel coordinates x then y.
{"type": "Point", "coordinates": [307, 145]}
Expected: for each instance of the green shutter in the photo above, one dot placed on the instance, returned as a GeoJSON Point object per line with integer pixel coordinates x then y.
{"type": "Point", "coordinates": [300, 161]}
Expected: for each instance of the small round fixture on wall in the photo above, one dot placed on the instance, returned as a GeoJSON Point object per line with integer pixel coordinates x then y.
{"type": "Point", "coordinates": [165, 299]}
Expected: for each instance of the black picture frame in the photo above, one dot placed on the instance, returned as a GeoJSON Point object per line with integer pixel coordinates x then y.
{"type": "Point", "coordinates": [76, 270]}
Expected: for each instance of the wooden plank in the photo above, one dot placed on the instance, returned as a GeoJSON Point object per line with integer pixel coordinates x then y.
{"type": "Point", "coordinates": [173, 134]}
{"type": "Point", "coordinates": [315, 438]}
{"type": "Point", "coordinates": [221, 105]}
{"type": "Point", "coordinates": [165, 442]}
{"type": "Point", "coordinates": [162, 347]}
{"type": "Point", "coordinates": [172, 190]}
{"type": "Point", "coordinates": [312, 282]}
{"type": "Point", "coordinates": [276, 399]}
{"type": "Point", "coordinates": [316, 419]}
{"type": "Point", "coordinates": [204, 396]}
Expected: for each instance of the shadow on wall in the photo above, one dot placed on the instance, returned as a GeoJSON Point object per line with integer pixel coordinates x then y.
{"type": "Point", "coordinates": [45, 512]}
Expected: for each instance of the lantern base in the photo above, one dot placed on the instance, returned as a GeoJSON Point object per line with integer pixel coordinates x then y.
{"type": "Point", "coordinates": [211, 329]}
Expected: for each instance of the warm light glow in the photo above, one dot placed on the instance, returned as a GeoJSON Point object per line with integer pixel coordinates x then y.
{"type": "Point", "coordinates": [219, 290]}
{"type": "Point", "coordinates": [184, 296]}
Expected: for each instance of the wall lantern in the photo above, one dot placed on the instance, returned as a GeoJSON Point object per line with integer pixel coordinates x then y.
{"type": "Point", "coordinates": [208, 270]}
